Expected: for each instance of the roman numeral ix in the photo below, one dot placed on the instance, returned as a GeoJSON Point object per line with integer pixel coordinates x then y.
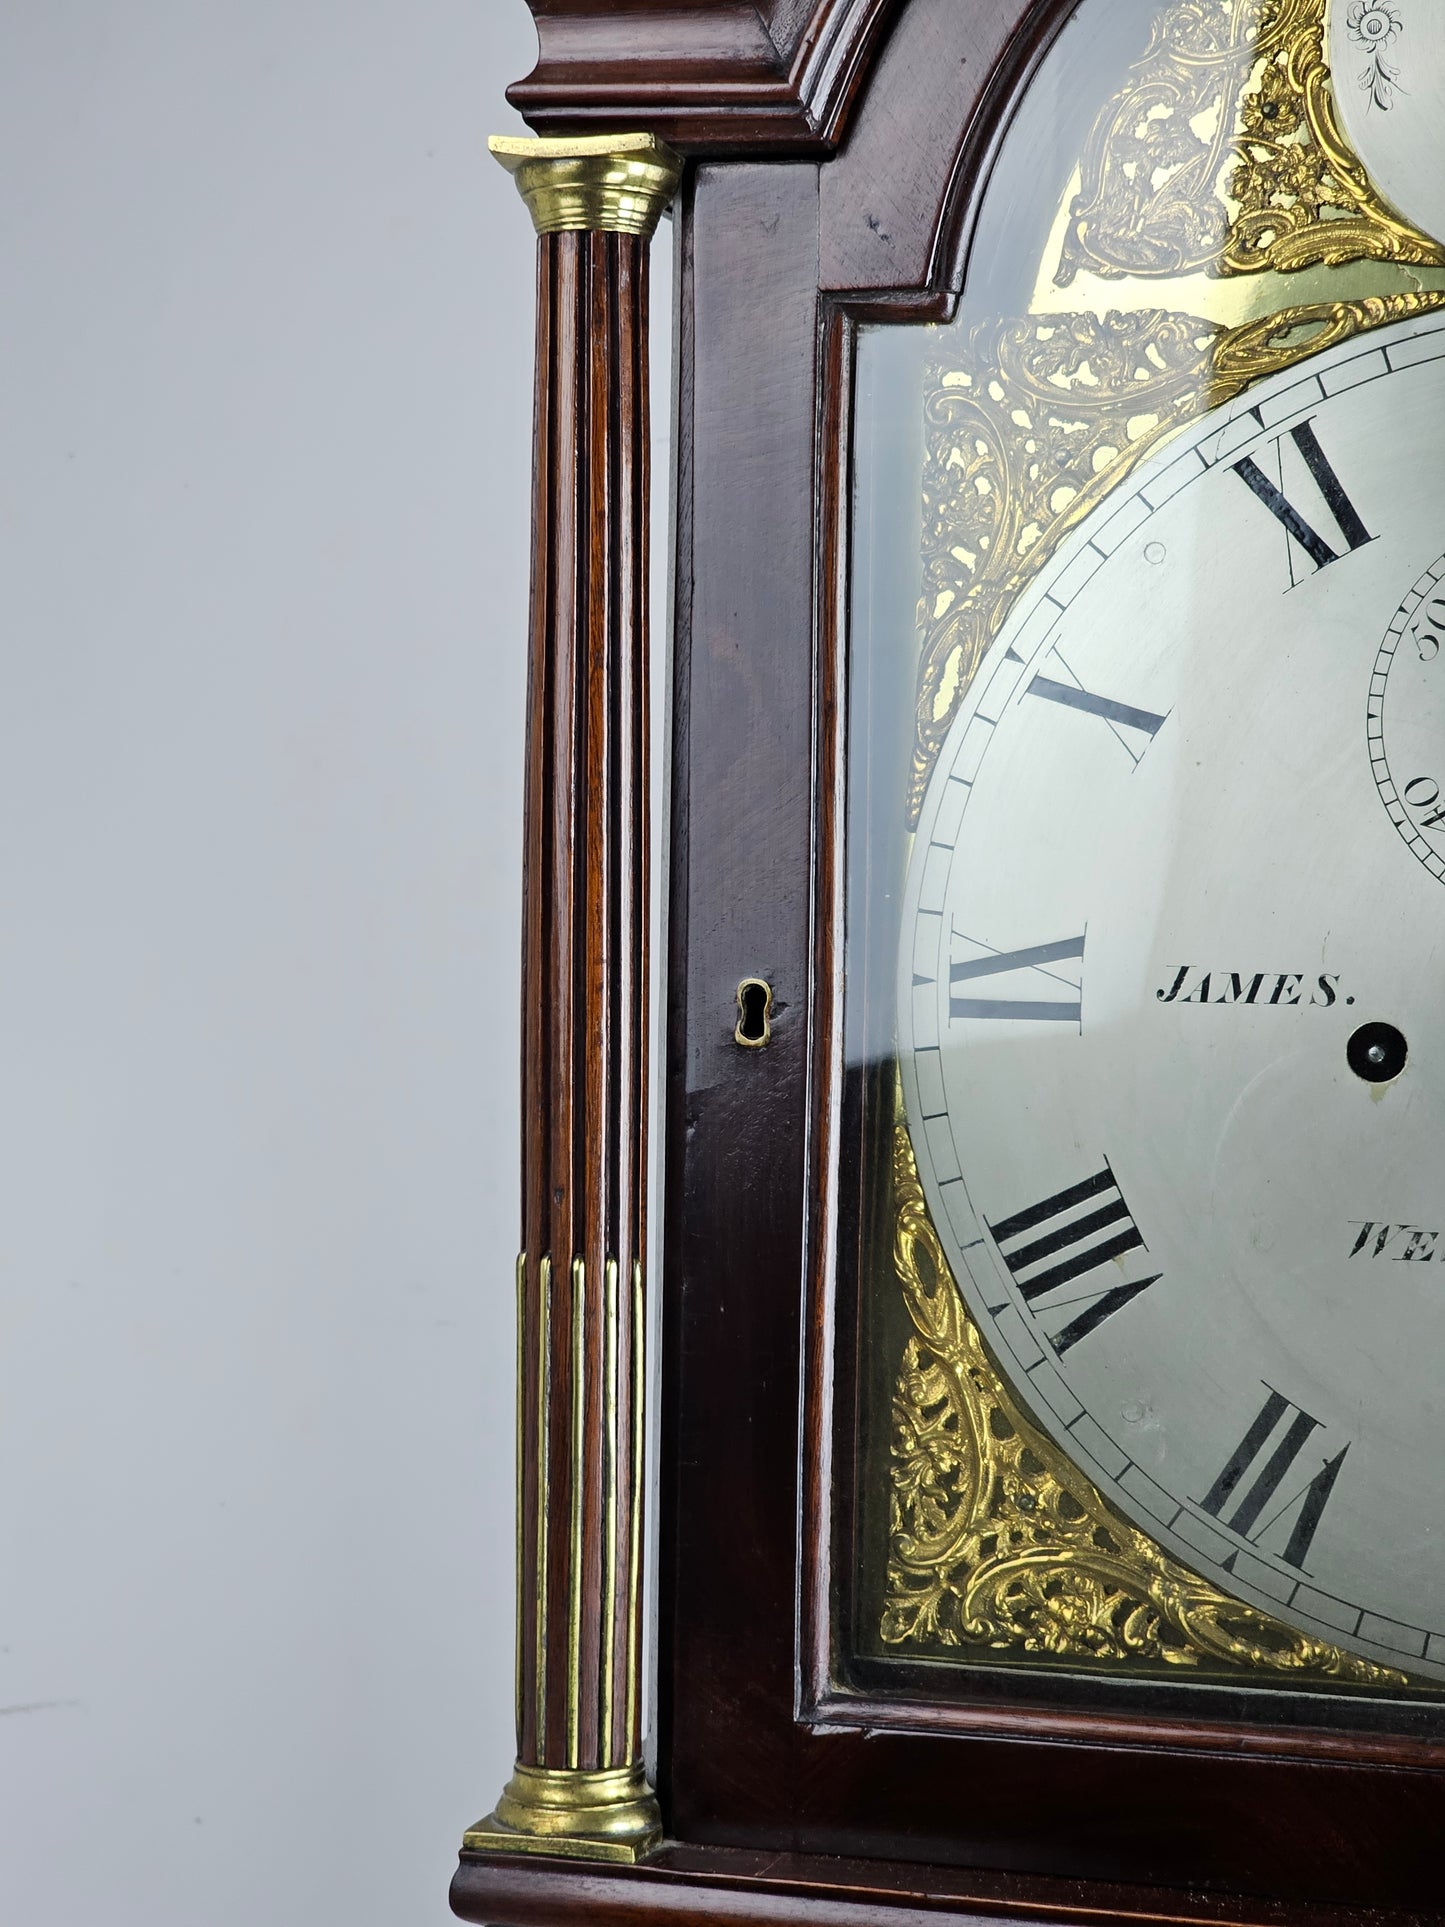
{"type": "Point", "coordinates": [1064, 1238]}
{"type": "Point", "coordinates": [1004, 963]}
{"type": "Point", "coordinates": [1343, 510]}
{"type": "Point", "coordinates": [1265, 1457]}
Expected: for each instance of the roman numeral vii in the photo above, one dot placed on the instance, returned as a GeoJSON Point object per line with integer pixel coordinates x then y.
{"type": "Point", "coordinates": [1257, 1469]}
{"type": "Point", "coordinates": [1342, 509]}
{"type": "Point", "coordinates": [1064, 1238]}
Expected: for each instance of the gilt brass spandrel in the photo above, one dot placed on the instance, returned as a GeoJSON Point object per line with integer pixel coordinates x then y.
{"type": "Point", "coordinates": [594, 183]}
{"type": "Point", "coordinates": [1028, 424]}
{"type": "Point", "coordinates": [1219, 157]}
{"type": "Point", "coordinates": [999, 1545]}
{"type": "Point", "coordinates": [1032, 421]}
{"type": "Point", "coordinates": [1221, 154]}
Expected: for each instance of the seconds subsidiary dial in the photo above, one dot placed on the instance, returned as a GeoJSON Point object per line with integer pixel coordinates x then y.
{"type": "Point", "coordinates": [1172, 997]}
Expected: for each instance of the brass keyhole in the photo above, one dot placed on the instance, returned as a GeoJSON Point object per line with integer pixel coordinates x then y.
{"type": "Point", "coordinates": [755, 1012]}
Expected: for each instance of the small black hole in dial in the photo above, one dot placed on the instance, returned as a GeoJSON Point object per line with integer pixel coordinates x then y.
{"type": "Point", "coordinates": [1377, 1052]}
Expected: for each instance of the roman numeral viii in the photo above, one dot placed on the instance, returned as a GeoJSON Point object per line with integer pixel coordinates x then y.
{"type": "Point", "coordinates": [1272, 494]}
{"type": "Point", "coordinates": [1005, 964]}
{"type": "Point", "coordinates": [1064, 1238]}
{"type": "Point", "coordinates": [1259, 1466]}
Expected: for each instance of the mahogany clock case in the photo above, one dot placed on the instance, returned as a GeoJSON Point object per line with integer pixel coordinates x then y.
{"type": "Point", "coordinates": [839, 155]}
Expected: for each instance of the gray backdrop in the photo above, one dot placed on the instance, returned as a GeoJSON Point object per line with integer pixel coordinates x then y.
{"type": "Point", "coordinates": [266, 313]}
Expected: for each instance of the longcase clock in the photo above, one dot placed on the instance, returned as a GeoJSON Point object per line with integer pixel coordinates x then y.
{"type": "Point", "coordinates": [1050, 1520]}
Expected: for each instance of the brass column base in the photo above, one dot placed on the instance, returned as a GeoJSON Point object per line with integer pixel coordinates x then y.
{"type": "Point", "coordinates": [583, 1815]}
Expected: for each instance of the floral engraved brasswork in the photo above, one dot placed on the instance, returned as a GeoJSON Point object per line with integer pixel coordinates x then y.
{"type": "Point", "coordinates": [1222, 153]}
{"type": "Point", "coordinates": [1032, 421]}
{"type": "Point", "coordinates": [1025, 430]}
{"type": "Point", "coordinates": [999, 1545]}
{"type": "Point", "coordinates": [1376, 25]}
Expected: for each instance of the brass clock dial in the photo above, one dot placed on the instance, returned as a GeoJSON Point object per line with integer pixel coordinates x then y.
{"type": "Point", "coordinates": [1169, 1032]}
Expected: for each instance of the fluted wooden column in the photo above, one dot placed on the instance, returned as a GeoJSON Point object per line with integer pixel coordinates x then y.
{"type": "Point", "coordinates": [578, 1787]}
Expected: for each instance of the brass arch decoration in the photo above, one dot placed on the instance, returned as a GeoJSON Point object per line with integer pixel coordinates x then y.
{"type": "Point", "coordinates": [1222, 153]}
{"type": "Point", "coordinates": [1033, 421]}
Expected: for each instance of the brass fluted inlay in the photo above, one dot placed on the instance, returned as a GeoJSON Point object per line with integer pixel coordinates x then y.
{"type": "Point", "coordinates": [1000, 1544]}
{"type": "Point", "coordinates": [521, 1628]}
{"type": "Point", "coordinates": [608, 1652]}
{"type": "Point", "coordinates": [595, 183]}
{"type": "Point", "coordinates": [579, 1492]}
{"type": "Point", "coordinates": [637, 1392]}
{"type": "Point", "coordinates": [604, 1809]}
{"type": "Point", "coordinates": [544, 1401]}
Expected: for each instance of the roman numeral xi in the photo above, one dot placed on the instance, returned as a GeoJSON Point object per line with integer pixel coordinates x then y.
{"type": "Point", "coordinates": [1343, 511]}
{"type": "Point", "coordinates": [1257, 1469]}
{"type": "Point", "coordinates": [1061, 1240]}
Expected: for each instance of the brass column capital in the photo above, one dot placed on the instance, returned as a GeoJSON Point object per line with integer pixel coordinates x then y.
{"type": "Point", "coordinates": [594, 183]}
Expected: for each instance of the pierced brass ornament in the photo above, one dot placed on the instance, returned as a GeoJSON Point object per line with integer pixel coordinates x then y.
{"type": "Point", "coordinates": [1030, 425]}
{"type": "Point", "coordinates": [1026, 429]}
{"type": "Point", "coordinates": [1219, 156]}
{"type": "Point", "coordinates": [998, 1544]}
{"type": "Point", "coordinates": [594, 183]}
{"type": "Point", "coordinates": [1222, 153]}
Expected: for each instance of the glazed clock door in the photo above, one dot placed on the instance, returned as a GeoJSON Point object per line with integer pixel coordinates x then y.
{"type": "Point", "coordinates": [1050, 1468]}
{"type": "Point", "coordinates": [1146, 1118]}
{"type": "Point", "coordinates": [1167, 1014]}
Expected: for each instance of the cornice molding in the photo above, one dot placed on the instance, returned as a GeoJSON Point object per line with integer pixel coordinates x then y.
{"type": "Point", "coordinates": [708, 76]}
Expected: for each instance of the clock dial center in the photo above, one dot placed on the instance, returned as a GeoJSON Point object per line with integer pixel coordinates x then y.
{"type": "Point", "coordinates": [1377, 1052]}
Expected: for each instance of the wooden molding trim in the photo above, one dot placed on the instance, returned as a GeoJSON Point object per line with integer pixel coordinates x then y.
{"type": "Point", "coordinates": [687, 1886]}
{"type": "Point", "coordinates": [709, 76]}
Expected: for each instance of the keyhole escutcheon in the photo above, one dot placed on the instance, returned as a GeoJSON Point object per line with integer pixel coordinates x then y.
{"type": "Point", "coordinates": [755, 1013]}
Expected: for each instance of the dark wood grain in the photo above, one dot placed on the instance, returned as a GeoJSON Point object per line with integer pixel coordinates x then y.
{"type": "Point", "coordinates": [710, 76]}
{"type": "Point", "coordinates": [773, 1751]}
{"type": "Point", "coordinates": [900, 199]}
{"type": "Point", "coordinates": [745, 1636]}
{"type": "Point", "coordinates": [718, 1887]}
{"type": "Point", "coordinates": [736, 1153]}
{"type": "Point", "coordinates": [584, 994]}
